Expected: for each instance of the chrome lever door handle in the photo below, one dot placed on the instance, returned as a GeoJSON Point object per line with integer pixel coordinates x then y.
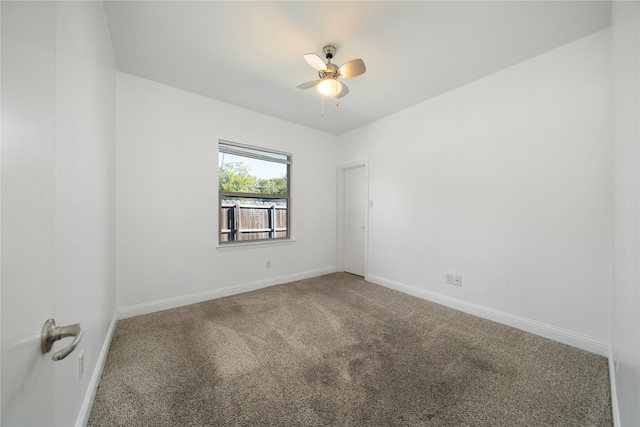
{"type": "Point", "coordinates": [52, 333]}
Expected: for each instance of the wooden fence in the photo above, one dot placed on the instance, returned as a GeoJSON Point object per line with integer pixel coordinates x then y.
{"type": "Point", "coordinates": [251, 221]}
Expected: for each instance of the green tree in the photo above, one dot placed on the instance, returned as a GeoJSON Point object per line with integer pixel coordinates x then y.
{"type": "Point", "coordinates": [236, 176]}
{"type": "Point", "coordinates": [273, 185]}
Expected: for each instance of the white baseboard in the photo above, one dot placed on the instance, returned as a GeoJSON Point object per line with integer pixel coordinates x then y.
{"type": "Point", "coordinates": [87, 403]}
{"type": "Point", "coordinates": [564, 336]}
{"type": "Point", "coordinates": [179, 301]}
{"type": "Point", "coordinates": [614, 392]}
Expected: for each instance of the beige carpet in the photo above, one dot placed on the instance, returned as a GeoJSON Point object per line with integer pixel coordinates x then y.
{"type": "Point", "coordinates": [338, 351]}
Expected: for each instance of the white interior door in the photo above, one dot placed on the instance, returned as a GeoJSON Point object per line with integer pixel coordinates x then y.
{"type": "Point", "coordinates": [27, 209]}
{"type": "Point", "coordinates": [355, 220]}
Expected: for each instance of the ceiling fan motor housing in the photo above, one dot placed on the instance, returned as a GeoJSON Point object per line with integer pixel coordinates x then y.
{"type": "Point", "coordinates": [331, 71]}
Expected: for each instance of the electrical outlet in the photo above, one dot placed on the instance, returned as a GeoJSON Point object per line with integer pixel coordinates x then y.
{"type": "Point", "coordinates": [457, 280]}
{"type": "Point", "coordinates": [268, 264]}
{"type": "Point", "coordinates": [80, 365]}
{"type": "Point", "coordinates": [449, 279]}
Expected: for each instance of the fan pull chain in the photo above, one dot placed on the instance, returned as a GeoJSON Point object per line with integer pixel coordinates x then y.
{"type": "Point", "coordinates": [322, 103]}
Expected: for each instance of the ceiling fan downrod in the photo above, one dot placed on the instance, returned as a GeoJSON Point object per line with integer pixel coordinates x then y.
{"type": "Point", "coordinates": [329, 51]}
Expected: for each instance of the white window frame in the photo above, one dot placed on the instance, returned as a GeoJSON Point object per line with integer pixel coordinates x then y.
{"type": "Point", "coordinates": [259, 153]}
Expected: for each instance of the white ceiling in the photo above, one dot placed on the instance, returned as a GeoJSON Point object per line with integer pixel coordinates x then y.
{"type": "Point", "coordinates": [250, 53]}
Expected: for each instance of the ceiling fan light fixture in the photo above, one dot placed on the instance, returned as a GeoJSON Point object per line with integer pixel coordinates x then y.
{"type": "Point", "coordinates": [329, 87]}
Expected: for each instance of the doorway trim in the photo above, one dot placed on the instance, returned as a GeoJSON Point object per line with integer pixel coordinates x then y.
{"type": "Point", "coordinates": [340, 215]}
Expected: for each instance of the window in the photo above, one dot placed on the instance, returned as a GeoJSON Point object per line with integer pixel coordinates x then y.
{"type": "Point", "coordinates": [254, 187]}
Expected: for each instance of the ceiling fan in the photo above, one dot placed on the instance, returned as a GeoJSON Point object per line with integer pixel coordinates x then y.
{"type": "Point", "coordinates": [328, 84]}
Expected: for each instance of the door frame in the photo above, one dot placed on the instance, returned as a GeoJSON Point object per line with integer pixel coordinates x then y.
{"type": "Point", "coordinates": [340, 214]}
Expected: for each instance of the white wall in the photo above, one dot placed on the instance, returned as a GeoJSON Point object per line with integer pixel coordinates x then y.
{"type": "Point", "coordinates": [507, 182]}
{"type": "Point", "coordinates": [625, 340]}
{"type": "Point", "coordinates": [167, 199]}
{"type": "Point", "coordinates": [84, 193]}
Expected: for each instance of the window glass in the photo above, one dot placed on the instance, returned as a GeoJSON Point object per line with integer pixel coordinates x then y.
{"type": "Point", "coordinates": [253, 192]}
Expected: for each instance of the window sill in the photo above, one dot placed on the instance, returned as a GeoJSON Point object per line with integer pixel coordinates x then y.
{"type": "Point", "coordinates": [253, 245]}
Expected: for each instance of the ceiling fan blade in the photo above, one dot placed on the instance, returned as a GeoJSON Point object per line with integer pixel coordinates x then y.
{"type": "Point", "coordinates": [344, 91]}
{"type": "Point", "coordinates": [352, 68]}
{"type": "Point", "coordinates": [310, 84]}
{"type": "Point", "coordinates": [315, 61]}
